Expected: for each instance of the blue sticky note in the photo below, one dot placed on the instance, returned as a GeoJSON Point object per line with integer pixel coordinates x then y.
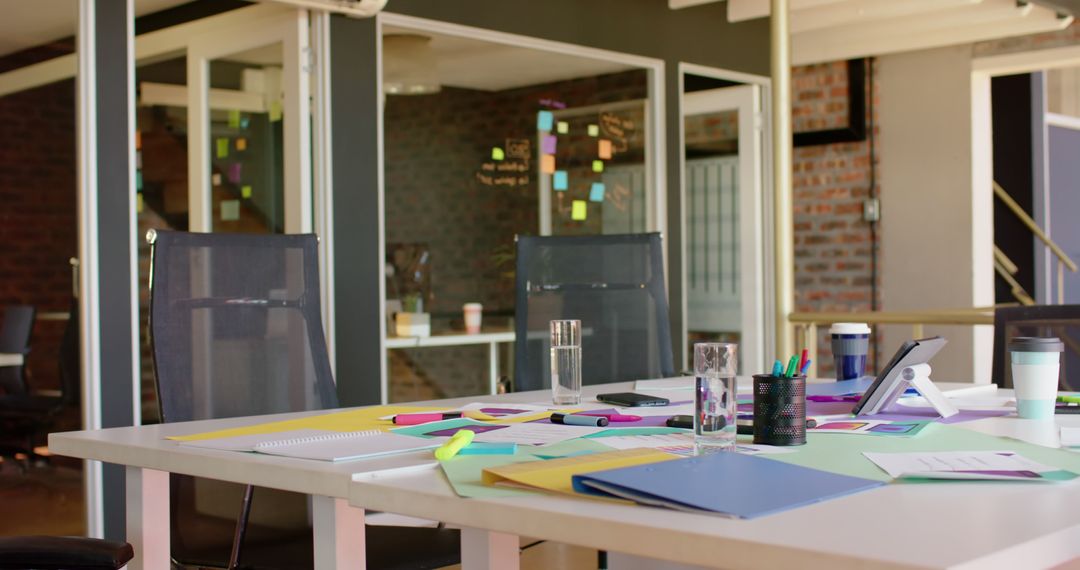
{"type": "Point", "coordinates": [560, 181]}
{"type": "Point", "coordinates": [596, 193]}
{"type": "Point", "coordinates": [544, 120]}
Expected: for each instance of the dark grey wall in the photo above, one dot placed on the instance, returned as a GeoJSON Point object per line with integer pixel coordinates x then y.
{"type": "Point", "coordinates": [648, 28]}
{"type": "Point", "coordinates": [357, 255]}
{"type": "Point", "coordinates": [115, 242]}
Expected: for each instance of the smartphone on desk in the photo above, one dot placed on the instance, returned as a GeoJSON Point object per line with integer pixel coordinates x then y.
{"type": "Point", "coordinates": [631, 400]}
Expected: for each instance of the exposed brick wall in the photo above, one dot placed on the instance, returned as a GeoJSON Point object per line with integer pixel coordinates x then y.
{"type": "Point", "coordinates": [833, 245]}
{"type": "Point", "coordinates": [38, 212]}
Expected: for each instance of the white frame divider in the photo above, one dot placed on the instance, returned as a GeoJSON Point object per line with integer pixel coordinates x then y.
{"type": "Point", "coordinates": [322, 173]}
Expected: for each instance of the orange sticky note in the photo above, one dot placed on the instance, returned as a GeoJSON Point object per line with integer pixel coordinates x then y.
{"type": "Point", "coordinates": [604, 150]}
{"type": "Point", "coordinates": [547, 164]}
{"type": "Point", "coordinates": [579, 211]}
{"type": "Point", "coordinates": [241, 144]}
{"type": "Point", "coordinates": [138, 139]}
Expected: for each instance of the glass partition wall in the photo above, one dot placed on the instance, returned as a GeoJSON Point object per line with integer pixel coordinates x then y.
{"type": "Point", "coordinates": [484, 141]}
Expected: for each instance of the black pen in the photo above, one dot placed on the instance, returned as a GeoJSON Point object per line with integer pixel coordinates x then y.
{"type": "Point", "coordinates": [573, 420]}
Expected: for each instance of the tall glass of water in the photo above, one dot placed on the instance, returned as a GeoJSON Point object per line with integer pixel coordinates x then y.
{"type": "Point", "coordinates": [715, 409]}
{"type": "Point", "coordinates": [566, 362]}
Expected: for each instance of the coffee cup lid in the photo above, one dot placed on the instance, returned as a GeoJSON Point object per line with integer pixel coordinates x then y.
{"type": "Point", "coordinates": [849, 328]}
{"type": "Point", "coordinates": [472, 306]}
{"type": "Point", "coordinates": [1036, 344]}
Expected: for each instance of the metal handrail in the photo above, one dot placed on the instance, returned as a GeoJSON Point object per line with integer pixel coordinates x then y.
{"type": "Point", "coordinates": [1035, 229]}
{"type": "Point", "coordinates": [1007, 269]}
{"type": "Point", "coordinates": [1006, 263]}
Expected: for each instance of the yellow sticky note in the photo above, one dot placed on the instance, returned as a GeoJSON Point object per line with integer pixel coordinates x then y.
{"type": "Point", "coordinates": [138, 203]}
{"type": "Point", "coordinates": [353, 420]}
{"type": "Point", "coordinates": [594, 131]}
{"type": "Point", "coordinates": [562, 127]}
{"type": "Point", "coordinates": [245, 191]}
{"type": "Point", "coordinates": [604, 150]}
{"type": "Point", "coordinates": [275, 111]}
{"type": "Point", "coordinates": [223, 148]}
{"type": "Point", "coordinates": [547, 164]}
{"type": "Point", "coordinates": [241, 143]}
{"type": "Point", "coordinates": [234, 119]}
{"type": "Point", "coordinates": [497, 154]}
{"type": "Point", "coordinates": [579, 211]}
{"type": "Point", "coordinates": [597, 166]}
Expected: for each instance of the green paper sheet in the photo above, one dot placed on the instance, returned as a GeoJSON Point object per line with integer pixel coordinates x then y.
{"type": "Point", "coordinates": [627, 431]}
{"type": "Point", "coordinates": [463, 472]}
{"type": "Point", "coordinates": [843, 453]}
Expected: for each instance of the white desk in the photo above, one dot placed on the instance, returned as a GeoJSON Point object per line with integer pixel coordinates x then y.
{"type": "Point", "coordinates": [969, 525]}
{"type": "Point", "coordinates": [492, 338]}
{"type": "Point", "coordinates": [10, 359]}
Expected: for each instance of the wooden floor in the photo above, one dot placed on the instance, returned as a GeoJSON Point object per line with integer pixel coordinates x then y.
{"type": "Point", "coordinates": [43, 500]}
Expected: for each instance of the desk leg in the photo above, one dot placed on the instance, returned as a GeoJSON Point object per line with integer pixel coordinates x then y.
{"type": "Point", "coordinates": [493, 368]}
{"type": "Point", "coordinates": [147, 498]}
{"type": "Point", "coordinates": [486, 550]}
{"type": "Point", "coordinates": [339, 534]}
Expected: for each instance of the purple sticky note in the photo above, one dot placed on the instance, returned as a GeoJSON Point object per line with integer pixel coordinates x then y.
{"type": "Point", "coordinates": [234, 172]}
{"type": "Point", "coordinates": [547, 144]}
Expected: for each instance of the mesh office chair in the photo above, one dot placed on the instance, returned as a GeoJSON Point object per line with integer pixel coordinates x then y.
{"type": "Point", "coordinates": [15, 339]}
{"type": "Point", "coordinates": [1062, 321]}
{"type": "Point", "coordinates": [236, 330]}
{"type": "Point", "coordinates": [614, 284]}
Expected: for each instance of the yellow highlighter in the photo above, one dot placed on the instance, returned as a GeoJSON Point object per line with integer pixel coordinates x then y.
{"type": "Point", "coordinates": [460, 440]}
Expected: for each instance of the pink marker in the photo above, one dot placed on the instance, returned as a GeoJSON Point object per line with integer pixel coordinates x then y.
{"type": "Point", "coordinates": [614, 417]}
{"type": "Point", "coordinates": [423, 418]}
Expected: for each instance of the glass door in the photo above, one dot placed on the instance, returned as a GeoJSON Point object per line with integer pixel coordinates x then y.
{"type": "Point", "coordinates": [724, 237]}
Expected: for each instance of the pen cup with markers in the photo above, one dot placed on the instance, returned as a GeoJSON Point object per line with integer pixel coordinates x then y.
{"type": "Point", "coordinates": [779, 410]}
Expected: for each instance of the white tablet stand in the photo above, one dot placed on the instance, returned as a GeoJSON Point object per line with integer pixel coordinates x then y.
{"type": "Point", "coordinates": [916, 376]}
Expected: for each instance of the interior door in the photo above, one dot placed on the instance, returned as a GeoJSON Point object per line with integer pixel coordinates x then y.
{"type": "Point", "coordinates": [722, 166]}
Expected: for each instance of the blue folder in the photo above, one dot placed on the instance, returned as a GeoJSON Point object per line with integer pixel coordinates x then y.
{"type": "Point", "coordinates": [725, 483]}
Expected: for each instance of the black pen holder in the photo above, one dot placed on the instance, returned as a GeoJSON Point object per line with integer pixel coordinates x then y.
{"type": "Point", "coordinates": [779, 410]}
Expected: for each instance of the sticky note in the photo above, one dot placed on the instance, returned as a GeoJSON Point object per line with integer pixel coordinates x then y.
{"type": "Point", "coordinates": [547, 163]}
{"type": "Point", "coordinates": [245, 191]}
{"type": "Point", "coordinates": [547, 144]}
{"type": "Point", "coordinates": [244, 122]}
{"type": "Point", "coordinates": [241, 143]}
{"type": "Point", "coordinates": [215, 179]}
{"type": "Point", "coordinates": [594, 131]}
{"type": "Point", "coordinates": [230, 210]}
{"type": "Point", "coordinates": [235, 170]}
{"type": "Point", "coordinates": [138, 180]}
{"type": "Point", "coordinates": [138, 140]}
{"type": "Point", "coordinates": [544, 120]}
{"type": "Point", "coordinates": [597, 166]}
{"type": "Point", "coordinates": [604, 150]}
{"type": "Point", "coordinates": [562, 127]}
{"type": "Point", "coordinates": [596, 193]}
{"type": "Point", "coordinates": [138, 159]}
{"type": "Point", "coordinates": [222, 148]}
{"type": "Point", "coordinates": [234, 119]}
{"type": "Point", "coordinates": [138, 203]}
{"type": "Point", "coordinates": [497, 154]}
{"type": "Point", "coordinates": [579, 211]}
{"type": "Point", "coordinates": [275, 111]}
{"type": "Point", "coordinates": [560, 181]}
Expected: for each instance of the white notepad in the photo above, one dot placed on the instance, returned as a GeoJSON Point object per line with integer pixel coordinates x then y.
{"type": "Point", "coordinates": [343, 446]}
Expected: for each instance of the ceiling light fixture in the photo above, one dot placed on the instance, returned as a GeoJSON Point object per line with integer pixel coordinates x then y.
{"type": "Point", "coordinates": [409, 65]}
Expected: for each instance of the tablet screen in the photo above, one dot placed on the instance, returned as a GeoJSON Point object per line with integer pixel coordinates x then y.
{"type": "Point", "coordinates": [912, 352]}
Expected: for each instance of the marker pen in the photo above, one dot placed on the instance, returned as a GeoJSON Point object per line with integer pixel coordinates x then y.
{"type": "Point", "coordinates": [574, 420]}
{"type": "Point", "coordinates": [417, 419]}
{"type": "Point", "coordinates": [613, 417]}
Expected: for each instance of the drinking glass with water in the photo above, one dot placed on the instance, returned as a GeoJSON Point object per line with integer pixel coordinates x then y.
{"type": "Point", "coordinates": [566, 362]}
{"type": "Point", "coordinates": [715, 405]}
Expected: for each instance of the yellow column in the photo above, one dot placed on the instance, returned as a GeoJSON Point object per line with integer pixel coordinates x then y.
{"type": "Point", "coordinates": [784, 243]}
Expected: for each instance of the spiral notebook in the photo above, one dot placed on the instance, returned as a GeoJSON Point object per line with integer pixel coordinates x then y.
{"type": "Point", "coordinates": [321, 445]}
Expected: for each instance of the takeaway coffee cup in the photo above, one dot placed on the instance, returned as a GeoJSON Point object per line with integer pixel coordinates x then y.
{"type": "Point", "coordinates": [850, 343]}
{"type": "Point", "coordinates": [473, 313]}
{"type": "Point", "coordinates": [1035, 366]}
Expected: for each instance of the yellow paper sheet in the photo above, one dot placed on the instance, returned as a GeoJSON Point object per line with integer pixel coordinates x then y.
{"type": "Point", "coordinates": [556, 475]}
{"type": "Point", "coordinates": [352, 420]}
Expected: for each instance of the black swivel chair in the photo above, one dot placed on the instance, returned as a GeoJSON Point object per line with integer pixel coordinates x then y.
{"type": "Point", "coordinates": [615, 285]}
{"type": "Point", "coordinates": [15, 339]}
{"type": "Point", "coordinates": [1062, 321]}
{"type": "Point", "coordinates": [236, 330]}
{"type": "Point", "coordinates": [62, 553]}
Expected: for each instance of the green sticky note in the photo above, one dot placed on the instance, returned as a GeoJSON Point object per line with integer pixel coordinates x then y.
{"type": "Point", "coordinates": [597, 166]}
{"type": "Point", "coordinates": [562, 127]}
{"type": "Point", "coordinates": [275, 111]}
{"type": "Point", "coordinates": [594, 131]}
{"type": "Point", "coordinates": [245, 191]}
{"type": "Point", "coordinates": [223, 148]}
{"type": "Point", "coordinates": [579, 211]}
{"type": "Point", "coordinates": [234, 119]}
{"type": "Point", "coordinates": [497, 154]}
{"type": "Point", "coordinates": [138, 180]}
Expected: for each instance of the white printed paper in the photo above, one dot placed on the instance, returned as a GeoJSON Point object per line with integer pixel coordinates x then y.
{"type": "Point", "coordinates": [536, 433]}
{"type": "Point", "coordinates": [679, 443]}
{"type": "Point", "coordinates": [1070, 436]}
{"type": "Point", "coordinates": [986, 465]}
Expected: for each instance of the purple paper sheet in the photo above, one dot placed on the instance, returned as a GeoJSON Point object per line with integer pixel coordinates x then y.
{"type": "Point", "coordinates": [645, 421]}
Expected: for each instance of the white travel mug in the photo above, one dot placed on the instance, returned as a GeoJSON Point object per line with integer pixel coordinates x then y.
{"type": "Point", "coordinates": [1036, 363]}
{"type": "Point", "coordinates": [473, 314]}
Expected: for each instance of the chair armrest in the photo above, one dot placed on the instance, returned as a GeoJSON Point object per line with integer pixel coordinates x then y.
{"type": "Point", "coordinates": [61, 552]}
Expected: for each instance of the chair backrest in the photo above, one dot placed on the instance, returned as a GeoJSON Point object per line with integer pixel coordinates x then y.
{"type": "Point", "coordinates": [614, 284]}
{"type": "Point", "coordinates": [236, 325]}
{"type": "Point", "coordinates": [15, 339]}
{"type": "Point", "coordinates": [1062, 321]}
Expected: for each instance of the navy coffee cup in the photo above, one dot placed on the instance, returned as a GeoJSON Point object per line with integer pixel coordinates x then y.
{"type": "Point", "coordinates": [850, 343]}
